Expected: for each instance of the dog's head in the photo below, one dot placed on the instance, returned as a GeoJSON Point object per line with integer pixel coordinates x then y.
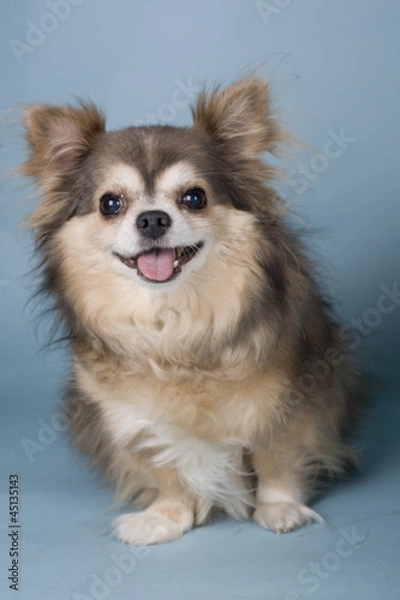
{"type": "Point", "coordinates": [131, 212]}
{"type": "Point", "coordinates": [152, 196]}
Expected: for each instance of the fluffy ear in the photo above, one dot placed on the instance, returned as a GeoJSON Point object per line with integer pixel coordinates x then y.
{"type": "Point", "coordinates": [59, 138]}
{"type": "Point", "coordinates": [239, 119]}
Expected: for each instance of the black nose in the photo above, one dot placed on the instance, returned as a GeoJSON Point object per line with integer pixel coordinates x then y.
{"type": "Point", "coordinates": [153, 223]}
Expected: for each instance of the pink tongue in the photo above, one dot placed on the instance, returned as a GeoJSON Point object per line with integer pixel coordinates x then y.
{"type": "Point", "coordinates": [157, 265]}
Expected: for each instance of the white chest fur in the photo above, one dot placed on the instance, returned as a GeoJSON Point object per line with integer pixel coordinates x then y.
{"type": "Point", "coordinates": [210, 469]}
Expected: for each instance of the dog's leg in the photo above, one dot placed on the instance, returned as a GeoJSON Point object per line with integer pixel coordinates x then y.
{"type": "Point", "coordinates": [166, 519]}
{"type": "Point", "coordinates": [282, 490]}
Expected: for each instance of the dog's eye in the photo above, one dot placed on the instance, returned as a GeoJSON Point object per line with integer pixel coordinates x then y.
{"type": "Point", "coordinates": [110, 204]}
{"type": "Point", "coordinates": [194, 199]}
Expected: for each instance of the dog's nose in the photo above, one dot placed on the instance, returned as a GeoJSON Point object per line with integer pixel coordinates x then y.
{"type": "Point", "coordinates": [153, 223]}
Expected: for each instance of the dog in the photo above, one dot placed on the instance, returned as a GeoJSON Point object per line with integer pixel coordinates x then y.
{"type": "Point", "coordinates": [207, 370]}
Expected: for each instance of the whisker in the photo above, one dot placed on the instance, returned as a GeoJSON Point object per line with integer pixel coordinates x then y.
{"type": "Point", "coordinates": [95, 261]}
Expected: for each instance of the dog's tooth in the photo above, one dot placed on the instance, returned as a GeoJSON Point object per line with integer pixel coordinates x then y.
{"type": "Point", "coordinates": [176, 263]}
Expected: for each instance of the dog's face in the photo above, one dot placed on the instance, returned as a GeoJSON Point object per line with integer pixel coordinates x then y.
{"type": "Point", "coordinates": [154, 231]}
{"type": "Point", "coordinates": [155, 211]}
{"type": "Point", "coordinates": [128, 214]}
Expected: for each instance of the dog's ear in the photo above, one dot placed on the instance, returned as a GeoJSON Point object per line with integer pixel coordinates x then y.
{"type": "Point", "coordinates": [239, 119]}
{"type": "Point", "coordinates": [59, 138]}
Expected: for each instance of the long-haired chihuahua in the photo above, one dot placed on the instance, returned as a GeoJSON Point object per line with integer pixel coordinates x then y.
{"type": "Point", "coordinates": [207, 371]}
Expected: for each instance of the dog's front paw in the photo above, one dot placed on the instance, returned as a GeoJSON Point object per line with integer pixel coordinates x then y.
{"type": "Point", "coordinates": [282, 517]}
{"type": "Point", "coordinates": [141, 529]}
{"type": "Point", "coordinates": [154, 525]}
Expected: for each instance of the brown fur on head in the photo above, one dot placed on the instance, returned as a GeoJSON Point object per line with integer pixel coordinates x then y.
{"type": "Point", "coordinates": [239, 120]}
{"type": "Point", "coordinates": [59, 138]}
{"type": "Point", "coordinates": [191, 309]}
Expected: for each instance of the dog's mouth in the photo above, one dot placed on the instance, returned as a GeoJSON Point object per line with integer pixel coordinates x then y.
{"type": "Point", "coordinates": [161, 264]}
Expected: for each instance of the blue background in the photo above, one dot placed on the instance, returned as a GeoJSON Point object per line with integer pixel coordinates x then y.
{"type": "Point", "coordinates": [333, 66]}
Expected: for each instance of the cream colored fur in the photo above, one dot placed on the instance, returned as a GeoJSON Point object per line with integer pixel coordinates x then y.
{"type": "Point", "coordinates": [187, 392]}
